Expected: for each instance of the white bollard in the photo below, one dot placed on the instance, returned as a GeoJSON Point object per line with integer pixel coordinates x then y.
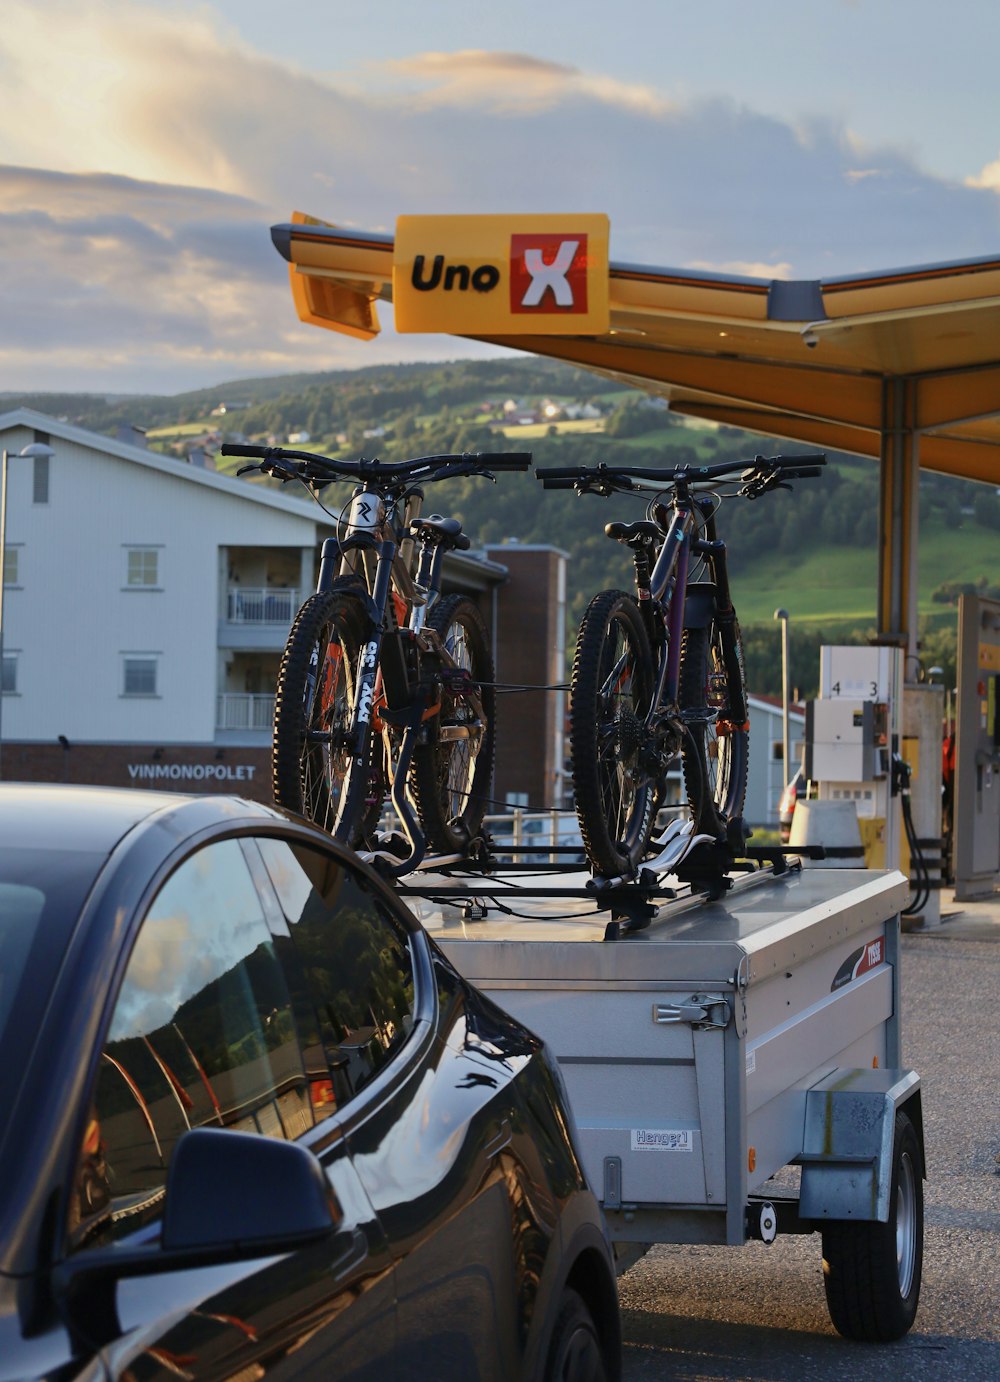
{"type": "Point", "coordinates": [832, 824]}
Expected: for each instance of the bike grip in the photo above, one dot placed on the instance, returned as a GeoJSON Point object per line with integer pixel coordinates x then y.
{"type": "Point", "coordinates": [232, 448]}
{"type": "Point", "coordinates": [506, 460]}
{"type": "Point", "coordinates": [815, 458]}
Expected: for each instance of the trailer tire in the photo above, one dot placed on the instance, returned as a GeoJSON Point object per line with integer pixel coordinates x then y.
{"type": "Point", "coordinates": [871, 1271]}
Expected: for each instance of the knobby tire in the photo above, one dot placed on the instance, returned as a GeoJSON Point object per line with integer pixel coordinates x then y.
{"type": "Point", "coordinates": [452, 773]}
{"type": "Point", "coordinates": [716, 749]}
{"type": "Point", "coordinates": [612, 683]}
{"type": "Point", "coordinates": [316, 771]}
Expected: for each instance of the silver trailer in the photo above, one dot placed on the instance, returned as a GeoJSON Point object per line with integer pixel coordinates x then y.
{"type": "Point", "coordinates": [722, 1044]}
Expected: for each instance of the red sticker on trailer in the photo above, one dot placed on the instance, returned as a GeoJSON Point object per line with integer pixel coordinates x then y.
{"type": "Point", "coordinates": [859, 962]}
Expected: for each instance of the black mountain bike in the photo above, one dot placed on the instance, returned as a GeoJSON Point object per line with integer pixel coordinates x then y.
{"type": "Point", "coordinates": [386, 686]}
{"type": "Point", "coordinates": [660, 674]}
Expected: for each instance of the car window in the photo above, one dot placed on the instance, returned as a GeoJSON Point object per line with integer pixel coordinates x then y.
{"type": "Point", "coordinates": [355, 959]}
{"type": "Point", "coordinates": [41, 893]}
{"type": "Point", "coordinates": [202, 1032]}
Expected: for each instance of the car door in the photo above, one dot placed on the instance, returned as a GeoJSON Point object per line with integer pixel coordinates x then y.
{"type": "Point", "coordinates": [205, 1034]}
{"type": "Point", "coordinates": [428, 1108]}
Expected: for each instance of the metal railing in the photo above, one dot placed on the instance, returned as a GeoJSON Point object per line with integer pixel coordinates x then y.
{"type": "Point", "coordinates": [261, 604]}
{"type": "Point", "coordinates": [243, 710]}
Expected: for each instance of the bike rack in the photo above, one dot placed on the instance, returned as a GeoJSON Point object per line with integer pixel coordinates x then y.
{"type": "Point", "coordinates": [633, 904]}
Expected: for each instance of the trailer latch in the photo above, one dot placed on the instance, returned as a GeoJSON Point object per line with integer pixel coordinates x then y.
{"type": "Point", "coordinates": [702, 1010]}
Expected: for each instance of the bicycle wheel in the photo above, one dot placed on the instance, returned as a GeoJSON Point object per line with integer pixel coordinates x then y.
{"type": "Point", "coordinates": [452, 773]}
{"type": "Point", "coordinates": [317, 770]}
{"type": "Point", "coordinates": [609, 697]}
{"type": "Point", "coordinates": [716, 750]}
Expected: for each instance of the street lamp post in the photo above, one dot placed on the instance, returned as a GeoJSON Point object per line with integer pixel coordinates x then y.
{"type": "Point", "coordinates": [782, 614]}
{"type": "Point", "coordinates": [36, 450]}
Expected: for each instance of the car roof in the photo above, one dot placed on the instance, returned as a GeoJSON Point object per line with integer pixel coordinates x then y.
{"type": "Point", "coordinates": [94, 819]}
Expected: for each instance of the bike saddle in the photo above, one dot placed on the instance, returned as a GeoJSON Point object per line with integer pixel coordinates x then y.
{"type": "Point", "coordinates": [643, 531]}
{"type": "Point", "coordinates": [444, 530]}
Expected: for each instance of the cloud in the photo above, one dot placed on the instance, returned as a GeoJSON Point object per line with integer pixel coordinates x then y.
{"type": "Point", "coordinates": [989, 177]}
{"type": "Point", "coordinates": [154, 149]}
{"type": "Point", "coordinates": [743, 268]}
{"type": "Point", "coordinates": [517, 82]}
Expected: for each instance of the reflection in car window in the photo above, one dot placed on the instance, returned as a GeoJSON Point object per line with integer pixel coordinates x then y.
{"type": "Point", "coordinates": [355, 956]}
{"type": "Point", "coordinates": [202, 1033]}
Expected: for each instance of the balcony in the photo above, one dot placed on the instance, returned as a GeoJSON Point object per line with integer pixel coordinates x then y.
{"type": "Point", "coordinates": [258, 617]}
{"type": "Point", "coordinates": [243, 710]}
{"type": "Point", "coordinates": [268, 604]}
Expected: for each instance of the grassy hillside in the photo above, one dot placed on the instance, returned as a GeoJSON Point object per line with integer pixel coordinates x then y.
{"type": "Point", "coordinates": [812, 551]}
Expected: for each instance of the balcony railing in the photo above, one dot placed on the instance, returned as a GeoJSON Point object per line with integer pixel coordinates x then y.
{"type": "Point", "coordinates": [261, 605]}
{"type": "Point", "coordinates": [241, 710]}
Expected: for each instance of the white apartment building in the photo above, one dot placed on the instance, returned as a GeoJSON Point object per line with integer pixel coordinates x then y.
{"type": "Point", "coordinates": [146, 605]}
{"type": "Point", "coordinates": [768, 772]}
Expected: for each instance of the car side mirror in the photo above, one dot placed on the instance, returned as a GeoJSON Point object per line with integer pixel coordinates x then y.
{"type": "Point", "coordinates": [230, 1197]}
{"type": "Point", "coordinates": [237, 1188]}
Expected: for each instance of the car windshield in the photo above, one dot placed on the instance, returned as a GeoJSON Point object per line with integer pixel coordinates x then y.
{"type": "Point", "coordinates": [41, 893]}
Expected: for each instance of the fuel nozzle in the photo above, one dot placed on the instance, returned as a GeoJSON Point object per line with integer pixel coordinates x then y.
{"type": "Point", "coordinates": [901, 774]}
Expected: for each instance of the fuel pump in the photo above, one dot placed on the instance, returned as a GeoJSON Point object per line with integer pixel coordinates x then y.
{"type": "Point", "coordinates": [852, 735]}
{"type": "Point", "coordinates": [977, 757]}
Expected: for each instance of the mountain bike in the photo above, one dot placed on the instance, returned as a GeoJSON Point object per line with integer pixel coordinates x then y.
{"type": "Point", "coordinates": [660, 674]}
{"type": "Point", "coordinates": [385, 686]}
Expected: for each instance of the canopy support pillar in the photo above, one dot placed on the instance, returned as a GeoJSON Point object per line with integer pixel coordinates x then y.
{"type": "Point", "coordinates": [899, 511]}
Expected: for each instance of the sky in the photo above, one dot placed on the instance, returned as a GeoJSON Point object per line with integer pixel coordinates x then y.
{"type": "Point", "coordinates": [146, 147]}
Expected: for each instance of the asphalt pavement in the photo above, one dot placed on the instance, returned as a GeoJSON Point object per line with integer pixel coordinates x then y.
{"type": "Point", "coordinates": [759, 1312]}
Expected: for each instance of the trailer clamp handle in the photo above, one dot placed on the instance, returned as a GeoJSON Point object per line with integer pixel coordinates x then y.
{"type": "Point", "coordinates": [702, 1010]}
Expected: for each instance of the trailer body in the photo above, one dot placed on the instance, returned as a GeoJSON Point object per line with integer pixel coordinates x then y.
{"type": "Point", "coordinates": [724, 1042]}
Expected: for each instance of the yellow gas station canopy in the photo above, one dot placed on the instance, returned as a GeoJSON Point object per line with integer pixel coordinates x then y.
{"type": "Point", "coordinates": [902, 366]}
{"type": "Point", "coordinates": [808, 360]}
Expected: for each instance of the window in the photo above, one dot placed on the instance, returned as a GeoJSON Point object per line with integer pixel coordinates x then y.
{"type": "Point", "coordinates": [142, 567]}
{"type": "Point", "coordinates": [10, 565]}
{"type": "Point", "coordinates": [139, 675]}
{"type": "Point", "coordinates": [40, 480]}
{"type": "Point", "coordinates": [8, 674]}
{"type": "Point", "coordinates": [355, 959]}
{"type": "Point", "coordinates": [202, 1033]}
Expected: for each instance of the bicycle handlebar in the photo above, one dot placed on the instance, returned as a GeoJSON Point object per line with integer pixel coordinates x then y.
{"type": "Point", "coordinates": [305, 461]}
{"type": "Point", "coordinates": [620, 476]}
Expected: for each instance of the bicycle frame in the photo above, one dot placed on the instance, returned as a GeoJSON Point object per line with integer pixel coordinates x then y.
{"type": "Point", "coordinates": [670, 594]}
{"type": "Point", "coordinates": [378, 554]}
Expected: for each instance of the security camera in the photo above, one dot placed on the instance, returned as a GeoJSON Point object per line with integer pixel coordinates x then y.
{"type": "Point", "coordinates": [811, 339]}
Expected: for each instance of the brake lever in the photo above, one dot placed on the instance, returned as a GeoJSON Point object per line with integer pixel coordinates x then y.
{"type": "Point", "coordinates": [245, 468]}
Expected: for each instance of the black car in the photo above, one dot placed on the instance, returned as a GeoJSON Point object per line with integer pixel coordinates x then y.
{"type": "Point", "coordinates": [255, 1124]}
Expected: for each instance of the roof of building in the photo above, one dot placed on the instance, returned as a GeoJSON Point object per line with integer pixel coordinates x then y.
{"type": "Point", "coordinates": [477, 571]}
{"type": "Point", "coordinates": [166, 465]}
{"type": "Point", "coordinates": [772, 703]}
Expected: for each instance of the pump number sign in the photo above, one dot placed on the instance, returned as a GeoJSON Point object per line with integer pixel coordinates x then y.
{"type": "Point", "coordinates": [501, 275]}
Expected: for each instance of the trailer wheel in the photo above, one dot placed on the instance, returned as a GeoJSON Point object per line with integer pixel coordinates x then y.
{"type": "Point", "coordinates": [872, 1271]}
